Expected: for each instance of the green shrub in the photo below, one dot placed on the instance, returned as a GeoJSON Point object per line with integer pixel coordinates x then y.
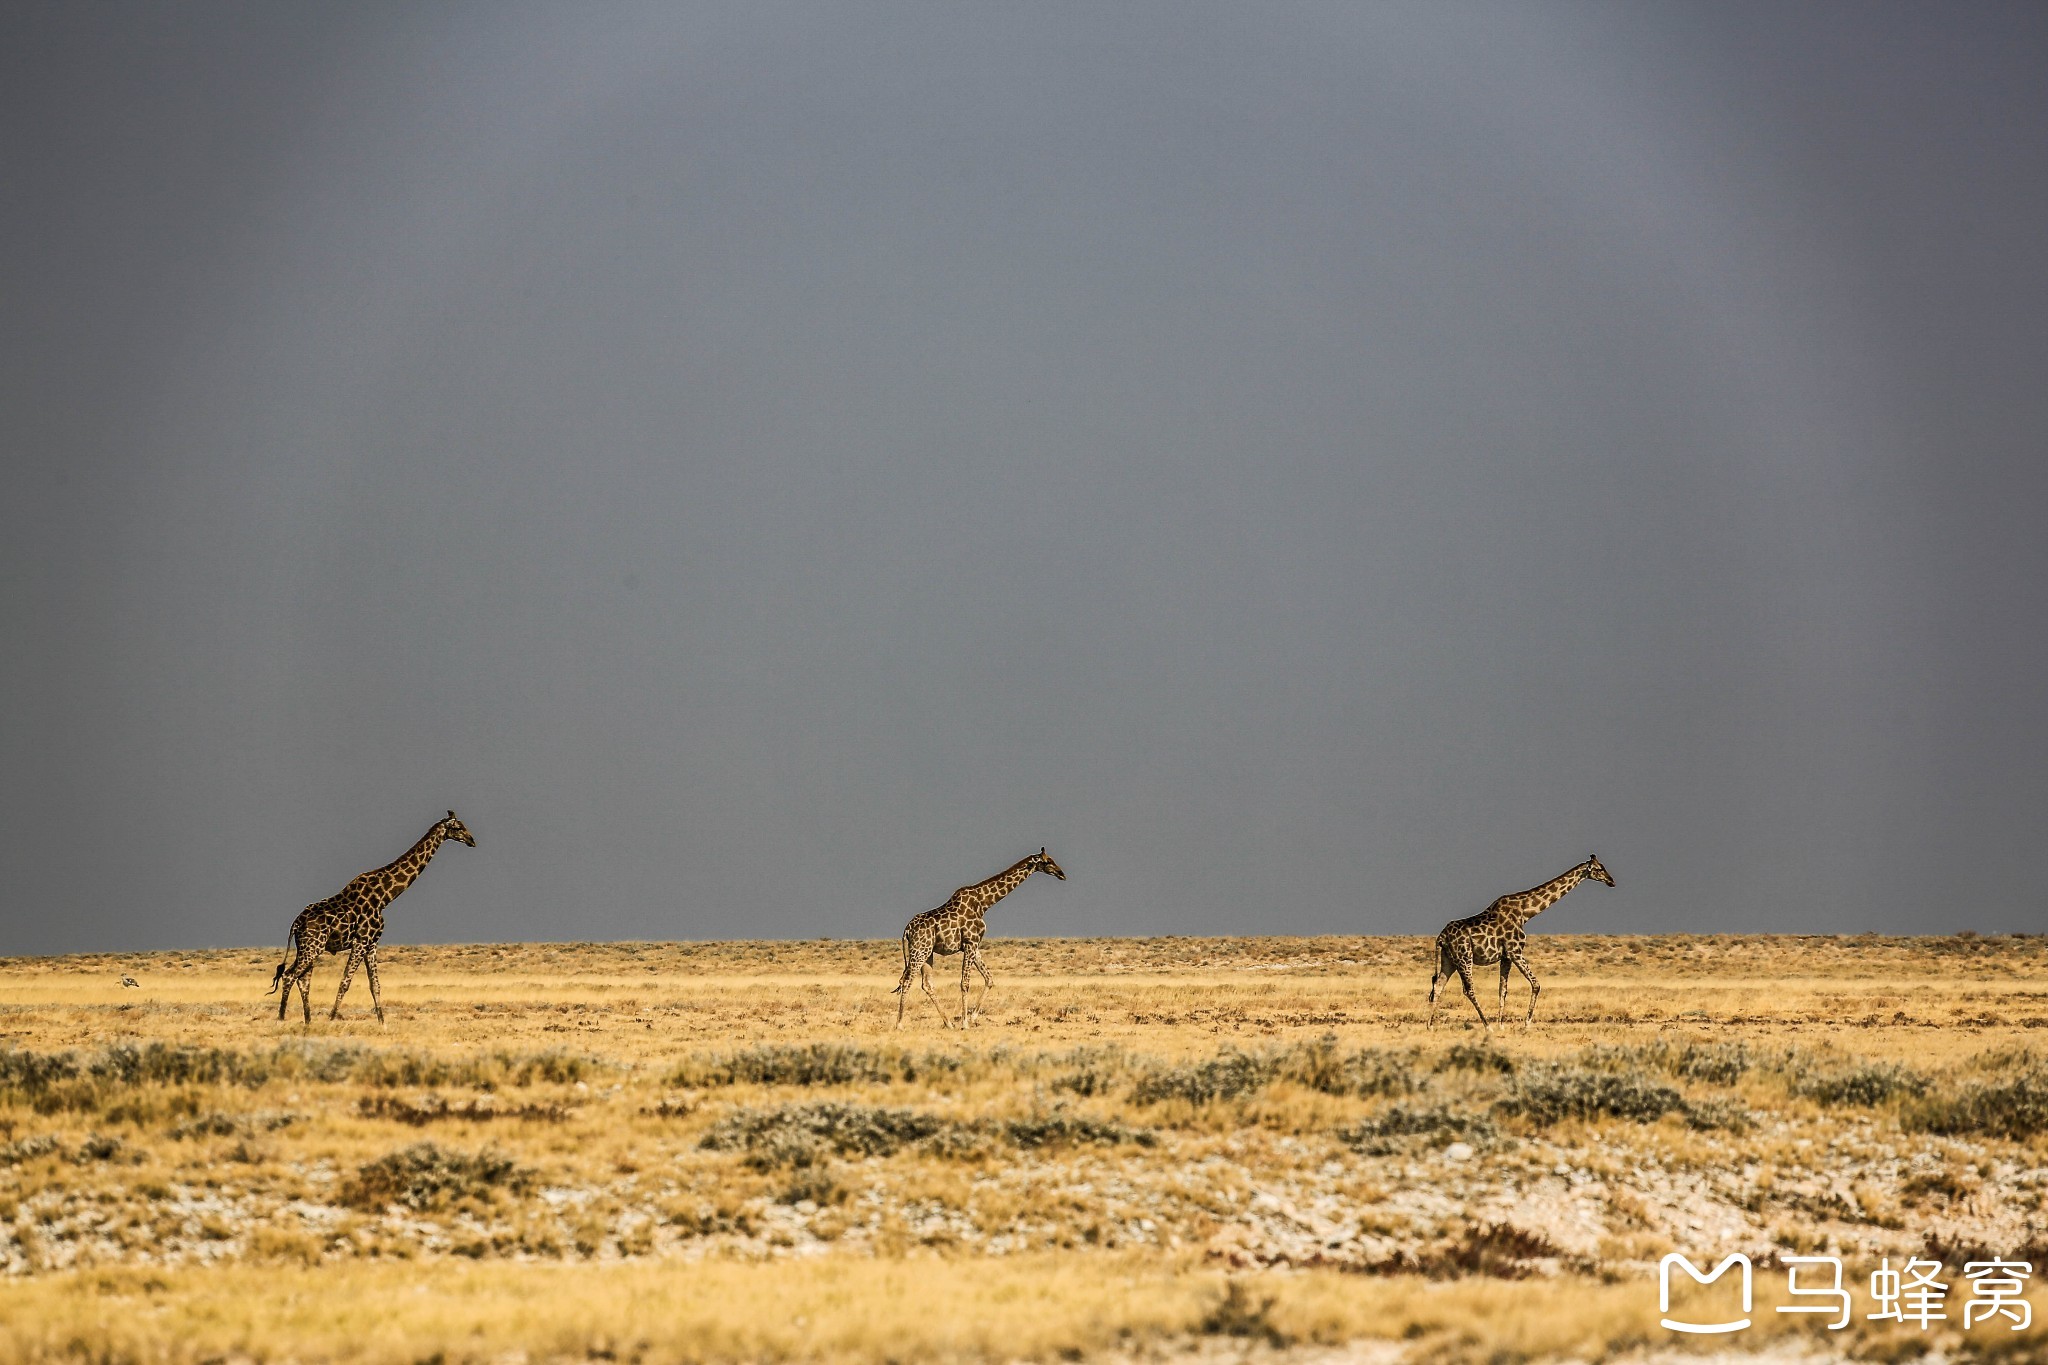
{"type": "Point", "coordinates": [1482, 1059]}
{"type": "Point", "coordinates": [30, 1072]}
{"type": "Point", "coordinates": [812, 1064]}
{"type": "Point", "coordinates": [802, 1135]}
{"type": "Point", "coordinates": [424, 1176]}
{"type": "Point", "coordinates": [1315, 1066]}
{"type": "Point", "coordinates": [207, 1125]}
{"type": "Point", "coordinates": [797, 1134]}
{"type": "Point", "coordinates": [171, 1064]}
{"type": "Point", "coordinates": [1379, 1136]}
{"type": "Point", "coordinates": [1555, 1093]}
{"type": "Point", "coordinates": [1319, 1066]}
{"type": "Point", "coordinates": [2014, 1107]}
{"type": "Point", "coordinates": [1865, 1084]}
{"type": "Point", "coordinates": [52, 1081]}
{"type": "Point", "coordinates": [1225, 1077]}
{"type": "Point", "coordinates": [98, 1147]}
{"type": "Point", "coordinates": [1058, 1128]}
{"type": "Point", "coordinates": [27, 1149]}
{"type": "Point", "coordinates": [1723, 1114]}
{"type": "Point", "coordinates": [1715, 1063]}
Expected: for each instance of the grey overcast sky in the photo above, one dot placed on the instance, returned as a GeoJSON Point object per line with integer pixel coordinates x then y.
{"type": "Point", "coordinates": [1313, 467]}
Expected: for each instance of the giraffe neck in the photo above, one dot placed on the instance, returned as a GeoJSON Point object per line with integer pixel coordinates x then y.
{"type": "Point", "coordinates": [1527, 905]}
{"type": "Point", "coordinates": [394, 877]}
{"type": "Point", "coordinates": [1000, 885]}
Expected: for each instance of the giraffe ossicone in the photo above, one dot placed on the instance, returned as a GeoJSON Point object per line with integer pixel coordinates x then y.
{"type": "Point", "coordinates": [958, 927]}
{"type": "Point", "coordinates": [352, 920]}
{"type": "Point", "coordinates": [1495, 935]}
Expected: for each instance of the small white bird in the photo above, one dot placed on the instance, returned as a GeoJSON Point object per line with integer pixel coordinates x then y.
{"type": "Point", "coordinates": [130, 981]}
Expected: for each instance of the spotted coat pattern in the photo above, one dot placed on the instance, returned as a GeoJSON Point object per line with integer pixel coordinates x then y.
{"type": "Point", "coordinates": [958, 927]}
{"type": "Point", "coordinates": [1495, 935]}
{"type": "Point", "coordinates": [352, 920]}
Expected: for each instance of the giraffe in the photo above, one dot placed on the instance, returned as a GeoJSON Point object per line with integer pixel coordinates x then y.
{"type": "Point", "coordinates": [351, 921]}
{"type": "Point", "coordinates": [957, 927]}
{"type": "Point", "coordinates": [1495, 935]}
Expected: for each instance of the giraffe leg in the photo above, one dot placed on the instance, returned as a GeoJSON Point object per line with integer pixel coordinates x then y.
{"type": "Point", "coordinates": [299, 974]}
{"type": "Point", "coordinates": [300, 968]}
{"type": "Point", "coordinates": [284, 997]}
{"type": "Point", "coordinates": [1535, 987]}
{"type": "Point", "coordinates": [903, 982]}
{"type": "Point", "coordinates": [1505, 967]}
{"type": "Point", "coordinates": [376, 996]}
{"type": "Point", "coordinates": [1437, 977]}
{"type": "Point", "coordinates": [988, 983]}
{"type": "Point", "coordinates": [348, 971]}
{"type": "Point", "coordinates": [306, 995]}
{"type": "Point", "coordinates": [966, 963]}
{"type": "Point", "coordinates": [924, 979]}
{"type": "Point", "coordinates": [1465, 979]}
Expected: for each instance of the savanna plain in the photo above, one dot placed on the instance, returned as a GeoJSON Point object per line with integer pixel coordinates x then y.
{"type": "Point", "coordinates": [1144, 1149]}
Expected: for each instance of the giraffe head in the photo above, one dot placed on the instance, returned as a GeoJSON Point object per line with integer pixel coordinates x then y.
{"type": "Point", "coordinates": [452, 828]}
{"type": "Point", "coordinates": [1044, 863]}
{"type": "Point", "coordinates": [1597, 872]}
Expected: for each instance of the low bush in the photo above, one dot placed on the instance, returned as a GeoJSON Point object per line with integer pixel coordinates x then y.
{"type": "Point", "coordinates": [1227, 1077]}
{"type": "Point", "coordinates": [207, 1125]}
{"type": "Point", "coordinates": [1484, 1060]}
{"type": "Point", "coordinates": [424, 1176]}
{"type": "Point", "coordinates": [30, 1072]}
{"type": "Point", "coordinates": [1865, 1084]}
{"type": "Point", "coordinates": [1371, 1071]}
{"type": "Point", "coordinates": [1382, 1135]}
{"type": "Point", "coordinates": [1555, 1093]}
{"type": "Point", "coordinates": [1058, 1128]}
{"type": "Point", "coordinates": [434, 1109]}
{"type": "Point", "coordinates": [2013, 1107]}
{"type": "Point", "coordinates": [27, 1149]}
{"type": "Point", "coordinates": [800, 1135]}
{"type": "Point", "coordinates": [1714, 1063]}
{"type": "Point", "coordinates": [64, 1080]}
{"type": "Point", "coordinates": [1315, 1066]}
{"type": "Point", "coordinates": [98, 1147]}
{"type": "Point", "coordinates": [812, 1064]}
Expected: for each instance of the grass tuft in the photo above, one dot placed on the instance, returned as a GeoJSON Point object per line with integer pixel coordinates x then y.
{"type": "Point", "coordinates": [1499, 1251]}
{"type": "Point", "coordinates": [1238, 1314]}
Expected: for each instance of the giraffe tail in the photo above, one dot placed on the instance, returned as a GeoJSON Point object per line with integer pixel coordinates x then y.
{"type": "Point", "coordinates": [290, 941]}
{"type": "Point", "coordinates": [903, 984]}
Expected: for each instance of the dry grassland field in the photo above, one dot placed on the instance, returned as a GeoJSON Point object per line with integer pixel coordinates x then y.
{"type": "Point", "coordinates": [1195, 1148]}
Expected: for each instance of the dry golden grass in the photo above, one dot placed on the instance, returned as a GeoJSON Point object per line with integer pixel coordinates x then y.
{"type": "Point", "coordinates": [725, 1151]}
